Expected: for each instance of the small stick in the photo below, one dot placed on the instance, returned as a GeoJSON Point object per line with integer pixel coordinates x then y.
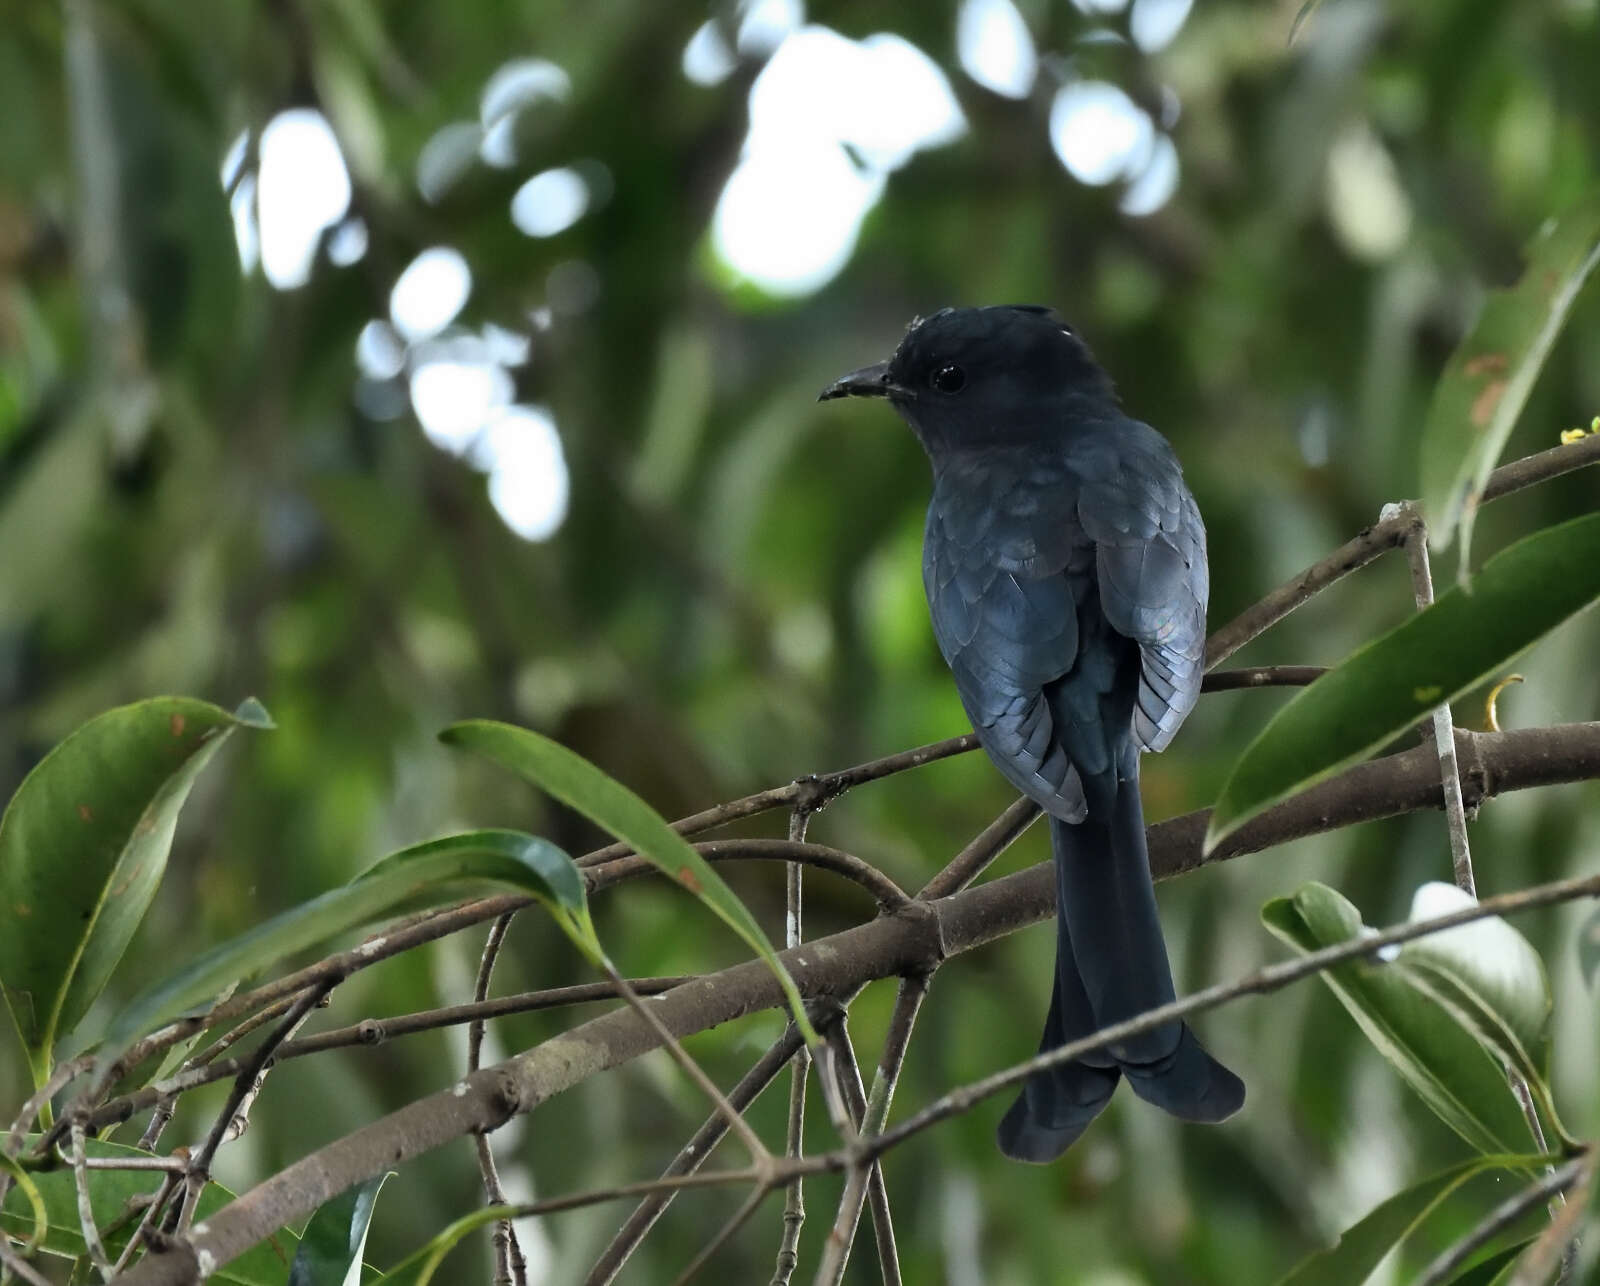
{"type": "Point", "coordinates": [510, 1264]}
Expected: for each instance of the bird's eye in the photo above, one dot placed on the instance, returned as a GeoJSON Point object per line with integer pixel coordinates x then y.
{"type": "Point", "coordinates": [949, 379]}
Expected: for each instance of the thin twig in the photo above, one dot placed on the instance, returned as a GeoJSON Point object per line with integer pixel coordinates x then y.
{"type": "Point", "coordinates": [987, 845]}
{"type": "Point", "coordinates": [234, 1035]}
{"type": "Point", "coordinates": [795, 852]}
{"type": "Point", "coordinates": [157, 1124]}
{"type": "Point", "coordinates": [646, 1187]}
{"type": "Point", "coordinates": [92, 1244]}
{"type": "Point", "coordinates": [14, 1263]}
{"type": "Point", "coordinates": [1541, 467]}
{"type": "Point", "coordinates": [233, 1119]}
{"type": "Point", "coordinates": [510, 1267]}
{"type": "Point", "coordinates": [1376, 540]}
{"type": "Point", "coordinates": [794, 1208]}
{"type": "Point", "coordinates": [316, 979]}
{"type": "Point", "coordinates": [794, 1202]}
{"type": "Point", "coordinates": [152, 1211]}
{"type": "Point", "coordinates": [740, 1218]}
{"type": "Point", "coordinates": [817, 791]}
{"type": "Point", "coordinates": [1494, 764]}
{"type": "Point", "coordinates": [1558, 1244]}
{"type": "Point", "coordinates": [376, 1031]}
{"type": "Point", "coordinates": [172, 1164]}
{"type": "Point", "coordinates": [1271, 978]}
{"type": "Point", "coordinates": [1444, 1266]}
{"type": "Point", "coordinates": [959, 923]}
{"type": "Point", "coordinates": [691, 1157]}
{"type": "Point", "coordinates": [747, 1135]}
{"type": "Point", "coordinates": [862, 1181]}
{"type": "Point", "coordinates": [429, 926]}
{"type": "Point", "coordinates": [1415, 544]}
{"type": "Point", "coordinates": [907, 1004]}
{"type": "Point", "coordinates": [814, 792]}
{"type": "Point", "coordinates": [63, 1075]}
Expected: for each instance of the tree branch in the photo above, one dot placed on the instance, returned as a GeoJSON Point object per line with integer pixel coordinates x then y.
{"type": "Point", "coordinates": [913, 939]}
{"type": "Point", "coordinates": [1272, 978]}
{"type": "Point", "coordinates": [1381, 537]}
{"type": "Point", "coordinates": [817, 790]}
{"type": "Point", "coordinates": [797, 853]}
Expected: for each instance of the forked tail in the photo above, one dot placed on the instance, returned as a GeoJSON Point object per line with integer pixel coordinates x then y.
{"type": "Point", "coordinates": [1111, 965]}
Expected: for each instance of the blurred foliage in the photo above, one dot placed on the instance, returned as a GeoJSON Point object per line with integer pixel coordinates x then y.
{"type": "Point", "coordinates": [196, 495]}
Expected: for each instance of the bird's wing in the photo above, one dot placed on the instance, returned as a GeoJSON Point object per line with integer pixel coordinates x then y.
{"type": "Point", "coordinates": [1150, 561]}
{"type": "Point", "coordinates": [1006, 622]}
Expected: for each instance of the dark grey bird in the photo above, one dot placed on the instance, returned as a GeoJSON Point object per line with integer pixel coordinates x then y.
{"type": "Point", "coordinates": [1065, 565]}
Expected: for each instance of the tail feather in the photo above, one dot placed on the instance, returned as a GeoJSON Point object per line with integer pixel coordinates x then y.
{"type": "Point", "coordinates": [1057, 1105]}
{"type": "Point", "coordinates": [1111, 965]}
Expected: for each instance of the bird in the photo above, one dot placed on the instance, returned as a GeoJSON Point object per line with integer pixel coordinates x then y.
{"type": "Point", "coordinates": [1064, 560]}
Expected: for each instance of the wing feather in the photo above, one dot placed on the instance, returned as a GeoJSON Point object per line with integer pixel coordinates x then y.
{"type": "Point", "coordinates": [1150, 559]}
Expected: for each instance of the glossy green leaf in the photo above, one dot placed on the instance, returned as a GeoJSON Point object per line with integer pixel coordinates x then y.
{"type": "Point", "coordinates": [609, 804]}
{"type": "Point", "coordinates": [336, 1237]}
{"type": "Point", "coordinates": [418, 1268]}
{"type": "Point", "coordinates": [1363, 1245]}
{"type": "Point", "coordinates": [1489, 978]}
{"type": "Point", "coordinates": [1446, 1063]}
{"type": "Point", "coordinates": [83, 847]}
{"type": "Point", "coordinates": [438, 872]}
{"type": "Point", "coordinates": [265, 1264]}
{"type": "Point", "coordinates": [1387, 686]}
{"type": "Point", "coordinates": [1491, 958]}
{"type": "Point", "coordinates": [1488, 378]}
{"type": "Point", "coordinates": [1478, 1017]}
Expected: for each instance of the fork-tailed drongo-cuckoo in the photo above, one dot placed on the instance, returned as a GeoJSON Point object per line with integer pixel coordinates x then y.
{"type": "Point", "coordinates": [1065, 565]}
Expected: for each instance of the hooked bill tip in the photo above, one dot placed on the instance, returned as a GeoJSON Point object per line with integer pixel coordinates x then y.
{"type": "Point", "coordinates": [869, 381]}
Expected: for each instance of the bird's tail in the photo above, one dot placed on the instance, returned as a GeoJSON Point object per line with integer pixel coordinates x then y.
{"type": "Point", "coordinates": [1111, 965]}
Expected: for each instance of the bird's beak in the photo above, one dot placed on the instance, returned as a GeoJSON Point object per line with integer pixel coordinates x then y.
{"type": "Point", "coordinates": [869, 381]}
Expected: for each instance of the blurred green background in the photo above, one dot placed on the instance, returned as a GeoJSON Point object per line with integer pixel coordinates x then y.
{"type": "Point", "coordinates": [403, 363]}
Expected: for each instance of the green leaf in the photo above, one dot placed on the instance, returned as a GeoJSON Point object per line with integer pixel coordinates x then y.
{"type": "Point", "coordinates": [110, 1190]}
{"type": "Point", "coordinates": [83, 846]}
{"type": "Point", "coordinates": [28, 1190]}
{"type": "Point", "coordinates": [1446, 1063]}
{"type": "Point", "coordinates": [1489, 1269]}
{"type": "Point", "coordinates": [609, 804]}
{"type": "Point", "coordinates": [1489, 957]}
{"type": "Point", "coordinates": [1387, 686]}
{"type": "Point", "coordinates": [417, 1269]}
{"type": "Point", "coordinates": [336, 1237]}
{"type": "Point", "coordinates": [1488, 378]}
{"type": "Point", "coordinates": [1363, 1245]}
{"type": "Point", "coordinates": [1589, 948]}
{"type": "Point", "coordinates": [1489, 978]}
{"type": "Point", "coordinates": [441, 871]}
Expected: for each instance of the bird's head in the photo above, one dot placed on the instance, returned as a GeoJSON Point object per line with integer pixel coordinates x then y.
{"type": "Point", "coordinates": [970, 377]}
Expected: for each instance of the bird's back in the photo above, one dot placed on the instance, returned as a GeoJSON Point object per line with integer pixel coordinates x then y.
{"type": "Point", "coordinates": [1013, 568]}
